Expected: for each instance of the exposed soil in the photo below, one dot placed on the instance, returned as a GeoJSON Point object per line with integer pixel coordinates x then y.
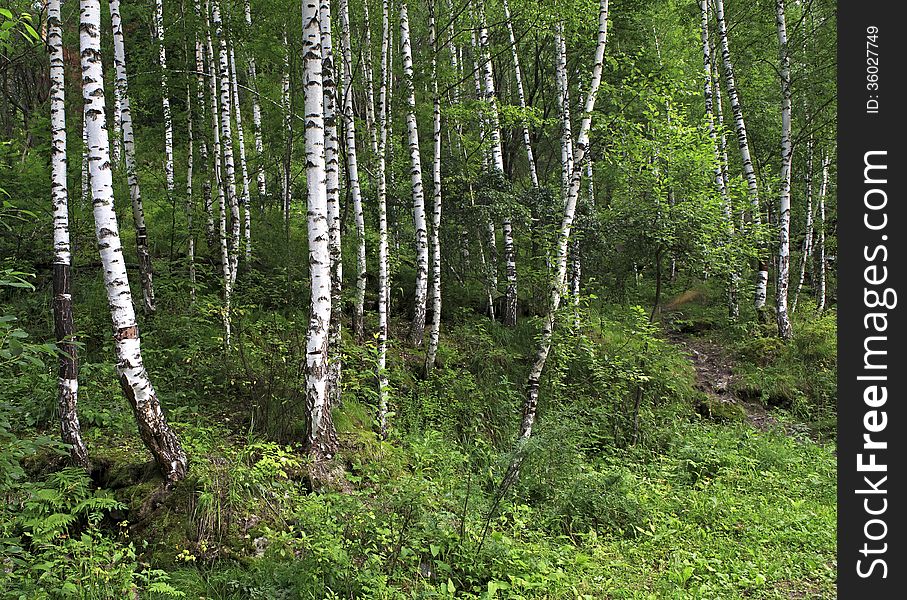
{"type": "Point", "coordinates": [715, 376]}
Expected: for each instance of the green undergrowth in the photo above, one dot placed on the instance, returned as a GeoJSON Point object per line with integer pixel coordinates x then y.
{"type": "Point", "coordinates": [625, 491]}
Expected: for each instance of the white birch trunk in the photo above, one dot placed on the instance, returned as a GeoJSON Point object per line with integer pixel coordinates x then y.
{"type": "Point", "coordinates": [214, 84]}
{"type": "Point", "coordinates": [165, 101]}
{"type": "Point", "coordinates": [287, 196]}
{"type": "Point", "coordinates": [256, 117]}
{"type": "Point", "coordinates": [530, 407]}
{"type": "Point", "coordinates": [68, 369]}
{"type": "Point", "coordinates": [417, 329]}
{"type": "Point", "coordinates": [820, 238]}
{"type": "Point", "coordinates": [201, 84]}
{"type": "Point", "coordinates": [226, 135]}
{"type": "Point", "coordinates": [243, 166]}
{"type": "Point", "coordinates": [518, 74]}
{"type": "Point", "coordinates": [808, 229]}
{"type": "Point", "coordinates": [138, 211]}
{"type": "Point", "coordinates": [352, 169]}
{"type": "Point", "coordinates": [787, 150]}
{"type": "Point", "coordinates": [117, 142]}
{"type": "Point", "coordinates": [435, 332]}
{"type": "Point", "coordinates": [743, 143]}
{"type": "Point", "coordinates": [134, 380]}
{"type": "Point", "coordinates": [497, 161]}
{"type": "Point", "coordinates": [190, 205]}
{"type": "Point", "coordinates": [320, 436]}
{"type": "Point", "coordinates": [383, 270]}
{"type": "Point", "coordinates": [368, 73]}
{"type": "Point", "coordinates": [332, 181]}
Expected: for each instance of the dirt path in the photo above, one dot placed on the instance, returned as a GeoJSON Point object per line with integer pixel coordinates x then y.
{"type": "Point", "coordinates": [715, 376]}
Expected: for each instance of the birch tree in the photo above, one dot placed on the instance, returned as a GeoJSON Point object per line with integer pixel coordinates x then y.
{"type": "Point", "coordinates": [383, 267]}
{"type": "Point", "coordinates": [417, 328]}
{"type": "Point", "coordinates": [749, 172]}
{"type": "Point", "coordinates": [135, 194]}
{"type": "Point", "coordinates": [321, 438]}
{"type": "Point", "coordinates": [214, 84]}
{"type": "Point", "coordinates": [521, 94]}
{"type": "Point", "coordinates": [806, 248]}
{"type": "Point", "coordinates": [787, 150]}
{"type": "Point", "coordinates": [134, 380]}
{"type": "Point", "coordinates": [256, 114]}
{"type": "Point", "coordinates": [530, 405]}
{"type": "Point", "coordinates": [67, 381]}
{"type": "Point", "coordinates": [435, 332]}
{"type": "Point", "coordinates": [332, 182]}
{"type": "Point", "coordinates": [226, 141]}
{"type": "Point", "coordinates": [243, 167]}
{"type": "Point", "coordinates": [165, 101]}
{"type": "Point", "coordinates": [820, 238]}
{"type": "Point", "coordinates": [497, 162]}
{"type": "Point", "coordinates": [352, 167]}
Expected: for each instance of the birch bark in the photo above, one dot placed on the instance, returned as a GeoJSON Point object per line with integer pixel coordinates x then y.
{"type": "Point", "coordinates": [321, 438]}
{"type": "Point", "coordinates": [134, 380]}
{"type": "Point", "coordinates": [787, 150]}
{"type": "Point", "coordinates": [138, 210]}
{"type": "Point", "coordinates": [68, 370]}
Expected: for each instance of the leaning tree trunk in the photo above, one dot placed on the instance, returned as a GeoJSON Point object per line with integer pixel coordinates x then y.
{"type": "Point", "coordinates": [820, 238]}
{"type": "Point", "coordinates": [435, 333]}
{"type": "Point", "coordinates": [332, 181]}
{"type": "Point", "coordinates": [243, 167]}
{"type": "Point", "coordinates": [134, 380]}
{"type": "Point", "coordinates": [352, 170]}
{"type": "Point", "coordinates": [787, 150]}
{"type": "Point", "coordinates": [417, 328]}
{"type": "Point", "coordinates": [530, 406]}
{"type": "Point", "coordinates": [383, 270]}
{"type": "Point", "coordinates": [321, 439]}
{"type": "Point", "coordinates": [256, 116]}
{"type": "Point", "coordinates": [138, 210]}
{"type": "Point", "coordinates": [68, 382]}
{"type": "Point", "coordinates": [743, 143]}
{"type": "Point", "coordinates": [497, 163]}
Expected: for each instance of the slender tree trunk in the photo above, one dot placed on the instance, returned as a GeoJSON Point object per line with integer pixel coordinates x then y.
{"type": "Point", "coordinates": [214, 84]}
{"type": "Point", "coordinates": [530, 406]}
{"type": "Point", "coordinates": [165, 102]}
{"type": "Point", "coordinates": [134, 380]}
{"type": "Point", "coordinates": [256, 117]}
{"type": "Point", "coordinates": [321, 439]}
{"type": "Point", "coordinates": [435, 333]}
{"type": "Point", "coordinates": [201, 84]}
{"type": "Point", "coordinates": [820, 241]}
{"type": "Point", "coordinates": [383, 270]}
{"type": "Point", "coordinates": [720, 183]}
{"type": "Point", "coordinates": [368, 73]}
{"type": "Point", "coordinates": [243, 166]}
{"type": "Point", "coordinates": [808, 230]}
{"type": "Point", "coordinates": [352, 169]}
{"type": "Point", "coordinates": [787, 150]}
{"type": "Point", "coordinates": [117, 143]}
{"type": "Point", "coordinates": [68, 371]}
{"type": "Point", "coordinates": [417, 329]}
{"type": "Point", "coordinates": [190, 205]}
{"type": "Point", "coordinates": [138, 211]}
{"type": "Point", "coordinates": [332, 179]}
{"type": "Point", "coordinates": [288, 135]}
{"type": "Point", "coordinates": [497, 163]}
{"type": "Point", "coordinates": [518, 74]}
{"type": "Point", "coordinates": [743, 143]}
{"type": "Point", "coordinates": [226, 135]}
